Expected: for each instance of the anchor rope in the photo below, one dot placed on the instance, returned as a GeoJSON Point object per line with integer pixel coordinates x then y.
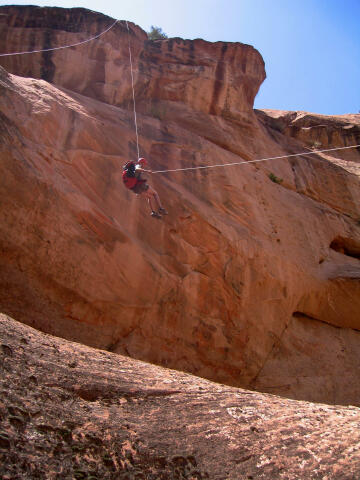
{"type": "Point", "coordinates": [64, 46]}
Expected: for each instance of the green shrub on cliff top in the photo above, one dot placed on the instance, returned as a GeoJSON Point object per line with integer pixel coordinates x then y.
{"type": "Point", "coordinates": [156, 33]}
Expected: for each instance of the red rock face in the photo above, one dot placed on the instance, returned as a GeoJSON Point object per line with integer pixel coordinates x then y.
{"type": "Point", "coordinates": [69, 411]}
{"type": "Point", "coordinates": [217, 78]}
{"type": "Point", "coordinates": [248, 281]}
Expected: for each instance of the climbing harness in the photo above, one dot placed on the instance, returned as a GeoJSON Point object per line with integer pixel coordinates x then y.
{"type": "Point", "coordinates": [129, 177]}
{"type": "Point", "coordinates": [253, 161]}
{"type": "Point", "coordinates": [65, 46]}
{"type": "Point", "coordinates": [133, 92]}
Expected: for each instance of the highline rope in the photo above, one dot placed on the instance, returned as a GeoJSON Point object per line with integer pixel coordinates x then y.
{"type": "Point", "coordinates": [253, 161]}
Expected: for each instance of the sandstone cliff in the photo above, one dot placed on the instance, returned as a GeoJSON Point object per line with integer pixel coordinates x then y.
{"type": "Point", "coordinates": [124, 419]}
{"type": "Point", "coordinates": [248, 281]}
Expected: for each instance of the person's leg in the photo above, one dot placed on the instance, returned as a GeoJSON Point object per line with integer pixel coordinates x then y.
{"type": "Point", "coordinates": [149, 202]}
{"type": "Point", "coordinates": [149, 198]}
{"type": "Point", "coordinates": [143, 189]}
{"type": "Point", "coordinates": [155, 195]}
{"type": "Point", "coordinates": [157, 199]}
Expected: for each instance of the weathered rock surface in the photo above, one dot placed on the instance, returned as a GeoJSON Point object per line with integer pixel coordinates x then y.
{"type": "Point", "coordinates": [69, 411]}
{"type": "Point", "coordinates": [164, 71]}
{"type": "Point", "coordinates": [318, 132]}
{"type": "Point", "coordinates": [248, 281]}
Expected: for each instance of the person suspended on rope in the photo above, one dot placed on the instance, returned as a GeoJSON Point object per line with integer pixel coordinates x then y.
{"type": "Point", "coordinates": [134, 180]}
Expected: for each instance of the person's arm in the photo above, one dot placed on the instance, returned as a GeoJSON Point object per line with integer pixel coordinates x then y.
{"type": "Point", "coordinates": [142, 170]}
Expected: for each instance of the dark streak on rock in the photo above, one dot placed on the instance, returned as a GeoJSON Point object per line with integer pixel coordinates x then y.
{"type": "Point", "coordinates": [47, 67]}
{"type": "Point", "coordinates": [219, 79]}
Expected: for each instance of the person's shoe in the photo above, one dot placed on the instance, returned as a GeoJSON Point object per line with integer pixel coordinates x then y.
{"type": "Point", "coordinates": [155, 214]}
{"type": "Point", "coordinates": [162, 211]}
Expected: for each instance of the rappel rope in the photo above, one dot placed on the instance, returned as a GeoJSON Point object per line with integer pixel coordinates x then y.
{"type": "Point", "coordinates": [253, 161]}
{"type": "Point", "coordinates": [59, 48]}
{"type": "Point", "coordinates": [133, 92]}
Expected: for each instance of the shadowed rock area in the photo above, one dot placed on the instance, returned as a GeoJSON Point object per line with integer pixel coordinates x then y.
{"type": "Point", "coordinates": [70, 411]}
{"type": "Point", "coordinates": [252, 280]}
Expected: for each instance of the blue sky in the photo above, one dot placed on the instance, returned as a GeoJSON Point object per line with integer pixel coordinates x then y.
{"type": "Point", "coordinates": [311, 48]}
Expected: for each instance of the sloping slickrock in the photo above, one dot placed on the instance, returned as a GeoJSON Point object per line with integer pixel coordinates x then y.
{"type": "Point", "coordinates": [69, 411]}
{"type": "Point", "coordinates": [249, 257]}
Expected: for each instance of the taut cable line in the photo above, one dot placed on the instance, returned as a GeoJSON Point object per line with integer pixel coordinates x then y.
{"type": "Point", "coordinates": [64, 46]}
{"type": "Point", "coordinates": [254, 161]}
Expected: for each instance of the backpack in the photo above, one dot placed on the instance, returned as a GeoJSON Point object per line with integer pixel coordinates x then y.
{"type": "Point", "coordinates": [128, 175]}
